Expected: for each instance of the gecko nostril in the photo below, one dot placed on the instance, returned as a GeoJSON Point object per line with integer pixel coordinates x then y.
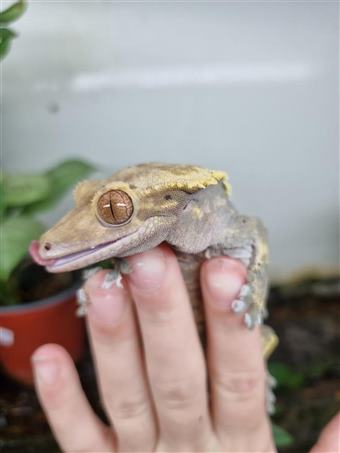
{"type": "Point", "coordinates": [47, 246]}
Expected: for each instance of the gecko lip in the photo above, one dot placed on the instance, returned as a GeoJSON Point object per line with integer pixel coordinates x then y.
{"type": "Point", "coordinates": [71, 259]}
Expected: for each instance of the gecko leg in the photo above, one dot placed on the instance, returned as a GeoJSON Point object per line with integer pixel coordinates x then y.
{"type": "Point", "coordinates": [113, 276]}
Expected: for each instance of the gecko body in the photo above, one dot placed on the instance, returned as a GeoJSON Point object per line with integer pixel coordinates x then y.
{"type": "Point", "coordinates": [139, 207]}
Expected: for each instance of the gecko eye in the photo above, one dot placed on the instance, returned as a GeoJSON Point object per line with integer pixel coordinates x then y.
{"type": "Point", "coordinates": [115, 207]}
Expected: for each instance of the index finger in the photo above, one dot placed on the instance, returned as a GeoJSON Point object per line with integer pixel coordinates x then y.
{"type": "Point", "coordinates": [237, 372]}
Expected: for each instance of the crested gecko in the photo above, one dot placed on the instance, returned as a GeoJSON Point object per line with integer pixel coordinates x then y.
{"type": "Point", "coordinates": [141, 206]}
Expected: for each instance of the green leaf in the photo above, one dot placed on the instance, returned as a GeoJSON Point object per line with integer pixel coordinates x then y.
{"type": "Point", "coordinates": [16, 235]}
{"type": "Point", "coordinates": [282, 437]}
{"type": "Point", "coordinates": [6, 36]}
{"type": "Point", "coordinates": [22, 190]}
{"type": "Point", "coordinates": [6, 33]}
{"type": "Point", "coordinates": [13, 12]}
{"type": "Point", "coordinates": [2, 199]}
{"type": "Point", "coordinates": [285, 376]}
{"type": "Point", "coordinates": [61, 178]}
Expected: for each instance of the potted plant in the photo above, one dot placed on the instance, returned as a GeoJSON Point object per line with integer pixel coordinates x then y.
{"type": "Point", "coordinates": [35, 307]}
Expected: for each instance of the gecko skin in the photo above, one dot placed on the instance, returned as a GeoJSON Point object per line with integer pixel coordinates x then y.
{"type": "Point", "coordinates": [186, 206]}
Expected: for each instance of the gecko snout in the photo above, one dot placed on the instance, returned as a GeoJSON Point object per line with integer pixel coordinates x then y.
{"type": "Point", "coordinates": [36, 251]}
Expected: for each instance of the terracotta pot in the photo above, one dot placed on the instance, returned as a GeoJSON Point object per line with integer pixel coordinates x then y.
{"type": "Point", "coordinates": [23, 328]}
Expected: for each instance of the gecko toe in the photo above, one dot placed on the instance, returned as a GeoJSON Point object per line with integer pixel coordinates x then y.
{"type": "Point", "coordinates": [239, 306]}
{"type": "Point", "coordinates": [112, 277]}
{"type": "Point", "coordinates": [252, 313]}
{"type": "Point", "coordinates": [83, 302]}
{"type": "Point", "coordinates": [248, 321]}
{"type": "Point", "coordinates": [253, 316]}
{"type": "Point", "coordinates": [124, 266]}
{"type": "Point", "coordinates": [81, 296]}
{"type": "Point", "coordinates": [244, 291]}
{"type": "Point", "coordinates": [242, 302]}
{"type": "Point", "coordinates": [115, 275]}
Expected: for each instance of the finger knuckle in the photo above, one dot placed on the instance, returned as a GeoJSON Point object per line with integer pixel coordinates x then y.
{"type": "Point", "coordinates": [178, 394]}
{"type": "Point", "coordinates": [127, 408]}
{"type": "Point", "coordinates": [239, 385]}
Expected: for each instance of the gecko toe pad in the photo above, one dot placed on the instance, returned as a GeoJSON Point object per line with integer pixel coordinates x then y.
{"type": "Point", "coordinates": [242, 302]}
{"type": "Point", "coordinates": [112, 277]}
{"type": "Point", "coordinates": [253, 316]}
{"type": "Point", "coordinates": [83, 302]}
{"type": "Point", "coordinates": [252, 313]}
{"type": "Point", "coordinates": [239, 306]}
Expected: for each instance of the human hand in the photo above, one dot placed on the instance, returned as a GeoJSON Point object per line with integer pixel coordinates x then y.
{"type": "Point", "coordinates": [152, 373]}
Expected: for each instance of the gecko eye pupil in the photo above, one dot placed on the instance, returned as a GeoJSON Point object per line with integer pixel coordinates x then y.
{"type": "Point", "coordinates": [115, 207]}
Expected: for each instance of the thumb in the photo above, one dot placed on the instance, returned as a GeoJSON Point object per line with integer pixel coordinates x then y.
{"type": "Point", "coordinates": [329, 440]}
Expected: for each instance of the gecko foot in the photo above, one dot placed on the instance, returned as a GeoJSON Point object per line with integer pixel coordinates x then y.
{"type": "Point", "coordinates": [114, 275]}
{"type": "Point", "coordinates": [252, 313]}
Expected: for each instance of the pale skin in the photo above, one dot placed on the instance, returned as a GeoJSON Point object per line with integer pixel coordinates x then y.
{"type": "Point", "coordinates": [152, 373]}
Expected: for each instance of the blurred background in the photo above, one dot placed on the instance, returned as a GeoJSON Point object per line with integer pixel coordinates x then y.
{"type": "Point", "coordinates": [251, 88]}
{"type": "Point", "coordinates": [247, 87]}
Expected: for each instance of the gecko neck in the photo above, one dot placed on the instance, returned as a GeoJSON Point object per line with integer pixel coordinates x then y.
{"type": "Point", "coordinates": [203, 222]}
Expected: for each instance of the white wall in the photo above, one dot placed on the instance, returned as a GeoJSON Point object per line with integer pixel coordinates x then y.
{"type": "Point", "coordinates": [249, 87]}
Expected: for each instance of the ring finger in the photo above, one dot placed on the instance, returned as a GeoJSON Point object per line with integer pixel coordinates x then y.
{"type": "Point", "coordinates": [236, 367]}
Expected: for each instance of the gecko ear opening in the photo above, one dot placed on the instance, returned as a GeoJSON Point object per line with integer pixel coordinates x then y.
{"type": "Point", "coordinates": [115, 207]}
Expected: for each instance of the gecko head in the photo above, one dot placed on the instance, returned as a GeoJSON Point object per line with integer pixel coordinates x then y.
{"type": "Point", "coordinates": [130, 212]}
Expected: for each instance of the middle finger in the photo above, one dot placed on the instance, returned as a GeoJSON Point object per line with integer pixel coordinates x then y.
{"type": "Point", "coordinates": [173, 355]}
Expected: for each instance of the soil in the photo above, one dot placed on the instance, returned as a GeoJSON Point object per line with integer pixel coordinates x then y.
{"type": "Point", "coordinates": [306, 316]}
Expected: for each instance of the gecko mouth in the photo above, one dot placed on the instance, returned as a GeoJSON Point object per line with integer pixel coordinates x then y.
{"type": "Point", "coordinates": [73, 260]}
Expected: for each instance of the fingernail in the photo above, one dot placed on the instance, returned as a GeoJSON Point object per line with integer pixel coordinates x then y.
{"type": "Point", "coordinates": [223, 279]}
{"type": "Point", "coordinates": [107, 303]}
{"type": "Point", "coordinates": [147, 269]}
{"type": "Point", "coordinates": [46, 371]}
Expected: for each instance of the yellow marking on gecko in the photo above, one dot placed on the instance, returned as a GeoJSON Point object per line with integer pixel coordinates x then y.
{"type": "Point", "coordinates": [197, 212]}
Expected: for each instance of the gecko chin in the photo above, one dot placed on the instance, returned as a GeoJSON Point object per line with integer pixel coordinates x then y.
{"type": "Point", "coordinates": [78, 260]}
